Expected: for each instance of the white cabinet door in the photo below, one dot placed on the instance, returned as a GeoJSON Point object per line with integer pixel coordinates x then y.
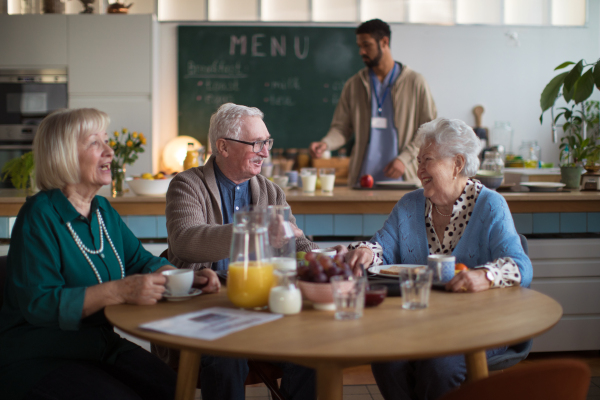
{"type": "Point", "coordinates": [110, 54]}
{"type": "Point", "coordinates": [131, 112]}
{"type": "Point", "coordinates": [33, 41]}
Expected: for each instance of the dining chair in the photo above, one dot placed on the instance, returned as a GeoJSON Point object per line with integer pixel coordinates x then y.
{"type": "Point", "coordinates": [541, 380]}
{"type": "Point", "coordinates": [259, 372]}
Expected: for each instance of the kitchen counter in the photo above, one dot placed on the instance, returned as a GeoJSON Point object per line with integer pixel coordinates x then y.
{"type": "Point", "coordinates": [345, 201]}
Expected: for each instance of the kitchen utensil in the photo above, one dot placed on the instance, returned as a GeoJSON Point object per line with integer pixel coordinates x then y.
{"type": "Point", "coordinates": [482, 133]}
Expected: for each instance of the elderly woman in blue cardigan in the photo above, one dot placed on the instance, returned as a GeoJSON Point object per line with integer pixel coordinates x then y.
{"type": "Point", "coordinates": [452, 215]}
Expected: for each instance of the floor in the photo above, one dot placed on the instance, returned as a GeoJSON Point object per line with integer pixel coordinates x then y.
{"type": "Point", "coordinates": [359, 383]}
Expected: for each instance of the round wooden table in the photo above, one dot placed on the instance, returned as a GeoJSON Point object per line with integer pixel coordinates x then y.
{"type": "Point", "coordinates": [454, 323]}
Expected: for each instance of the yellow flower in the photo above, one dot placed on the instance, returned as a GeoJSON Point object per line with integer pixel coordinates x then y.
{"type": "Point", "coordinates": [142, 137]}
{"type": "Point", "coordinates": [116, 133]}
{"type": "Point", "coordinates": [142, 140]}
{"type": "Point", "coordinates": [112, 143]}
{"type": "Point", "coordinates": [125, 131]}
{"type": "Point", "coordinates": [129, 143]}
{"type": "Point", "coordinates": [135, 135]}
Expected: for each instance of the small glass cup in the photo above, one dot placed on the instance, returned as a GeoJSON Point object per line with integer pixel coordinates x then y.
{"type": "Point", "coordinates": [415, 285]}
{"type": "Point", "coordinates": [327, 176]}
{"type": "Point", "coordinates": [309, 179]}
{"type": "Point", "coordinates": [375, 294]}
{"type": "Point", "coordinates": [348, 296]}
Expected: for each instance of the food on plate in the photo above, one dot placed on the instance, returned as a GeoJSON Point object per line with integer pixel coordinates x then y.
{"type": "Point", "coordinates": [392, 270]}
{"type": "Point", "coordinates": [460, 267]}
{"type": "Point", "coordinates": [366, 181]}
{"type": "Point", "coordinates": [319, 268]}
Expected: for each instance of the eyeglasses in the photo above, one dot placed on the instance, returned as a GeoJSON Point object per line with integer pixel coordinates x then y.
{"type": "Point", "coordinates": [256, 146]}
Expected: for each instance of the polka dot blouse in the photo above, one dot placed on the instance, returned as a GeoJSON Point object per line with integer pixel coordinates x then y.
{"type": "Point", "coordinates": [505, 270]}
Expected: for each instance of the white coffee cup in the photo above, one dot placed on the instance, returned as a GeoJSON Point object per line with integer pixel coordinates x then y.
{"type": "Point", "coordinates": [179, 281]}
{"type": "Point", "coordinates": [329, 252]}
{"type": "Point", "coordinates": [281, 181]}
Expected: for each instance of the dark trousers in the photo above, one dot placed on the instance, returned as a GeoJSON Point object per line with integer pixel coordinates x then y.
{"type": "Point", "coordinates": [222, 378]}
{"type": "Point", "coordinates": [425, 379]}
{"type": "Point", "coordinates": [136, 375]}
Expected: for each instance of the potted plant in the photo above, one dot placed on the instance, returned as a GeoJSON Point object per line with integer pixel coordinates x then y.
{"type": "Point", "coordinates": [20, 171]}
{"type": "Point", "coordinates": [576, 86]}
{"type": "Point", "coordinates": [127, 145]}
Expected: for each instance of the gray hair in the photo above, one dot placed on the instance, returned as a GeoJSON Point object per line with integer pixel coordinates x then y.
{"type": "Point", "coordinates": [55, 145]}
{"type": "Point", "coordinates": [227, 122]}
{"type": "Point", "coordinates": [452, 137]}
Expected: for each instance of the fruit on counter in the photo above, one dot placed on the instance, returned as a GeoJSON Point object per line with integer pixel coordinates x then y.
{"type": "Point", "coordinates": [148, 176]}
{"type": "Point", "coordinates": [460, 267]}
{"type": "Point", "coordinates": [321, 267]}
{"type": "Point", "coordinates": [366, 181]}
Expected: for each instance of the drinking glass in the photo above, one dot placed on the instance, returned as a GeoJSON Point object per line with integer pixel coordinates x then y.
{"type": "Point", "coordinates": [348, 296]}
{"type": "Point", "coordinates": [327, 176]}
{"type": "Point", "coordinates": [415, 285]}
{"type": "Point", "coordinates": [309, 179]}
{"type": "Point", "coordinates": [250, 275]}
{"type": "Point", "coordinates": [281, 238]}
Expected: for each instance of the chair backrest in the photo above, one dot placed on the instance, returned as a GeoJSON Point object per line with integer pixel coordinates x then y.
{"type": "Point", "coordinates": [524, 243]}
{"type": "Point", "coordinates": [2, 277]}
{"type": "Point", "coordinates": [542, 380]}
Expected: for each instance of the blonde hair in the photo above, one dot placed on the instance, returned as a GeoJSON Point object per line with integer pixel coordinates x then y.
{"type": "Point", "coordinates": [55, 145]}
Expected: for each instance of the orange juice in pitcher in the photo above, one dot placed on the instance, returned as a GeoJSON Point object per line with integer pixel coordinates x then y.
{"type": "Point", "coordinates": [248, 285]}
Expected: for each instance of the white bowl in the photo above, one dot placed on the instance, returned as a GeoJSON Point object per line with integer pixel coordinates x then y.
{"type": "Point", "coordinates": [147, 187]}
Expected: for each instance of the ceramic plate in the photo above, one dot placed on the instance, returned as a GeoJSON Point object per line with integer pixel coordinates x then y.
{"type": "Point", "coordinates": [398, 185]}
{"type": "Point", "coordinates": [543, 186]}
{"type": "Point", "coordinates": [192, 293]}
{"type": "Point", "coordinates": [376, 269]}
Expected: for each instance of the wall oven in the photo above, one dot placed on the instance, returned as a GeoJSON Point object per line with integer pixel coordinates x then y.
{"type": "Point", "coordinates": [26, 97]}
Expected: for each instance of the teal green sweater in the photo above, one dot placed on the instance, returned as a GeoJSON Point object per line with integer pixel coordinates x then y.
{"type": "Point", "coordinates": [47, 275]}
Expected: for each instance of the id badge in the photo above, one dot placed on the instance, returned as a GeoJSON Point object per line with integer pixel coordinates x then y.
{"type": "Point", "coordinates": [378, 122]}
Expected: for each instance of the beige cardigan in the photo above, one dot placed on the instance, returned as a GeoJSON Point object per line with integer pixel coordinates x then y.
{"type": "Point", "coordinates": [413, 105]}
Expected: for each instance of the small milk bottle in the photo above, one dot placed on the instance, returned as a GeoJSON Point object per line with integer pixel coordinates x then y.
{"type": "Point", "coordinates": [285, 297]}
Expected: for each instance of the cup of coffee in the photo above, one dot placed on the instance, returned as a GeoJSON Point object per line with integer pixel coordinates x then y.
{"type": "Point", "coordinates": [442, 267]}
{"type": "Point", "coordinates": [179, 281]}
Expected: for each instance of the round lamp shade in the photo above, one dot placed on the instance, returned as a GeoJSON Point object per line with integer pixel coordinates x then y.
{"type": "Point", "coordinates": [175, 152]}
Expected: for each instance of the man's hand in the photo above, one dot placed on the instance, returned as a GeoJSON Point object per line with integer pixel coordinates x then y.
{"type": "Point", "coordinates": [207, 280]}
{"type": "Point", "coordinates": [317, 149]}
{"type": "Point", "coordinates": [395, 169]}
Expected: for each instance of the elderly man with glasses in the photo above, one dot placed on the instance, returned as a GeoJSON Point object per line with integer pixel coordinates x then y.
{"type": "Point", "coordinates": [200, 206]}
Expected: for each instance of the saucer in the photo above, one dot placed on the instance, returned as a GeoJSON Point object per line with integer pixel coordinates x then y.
{"type": "Point", "coordinates": [192, 293]}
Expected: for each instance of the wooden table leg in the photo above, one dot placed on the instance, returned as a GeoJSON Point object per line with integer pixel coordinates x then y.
{"type": "Point", "coordinates": [477, 367]}
{"type": "Point", "coordinates": [330, 383]}
{"type": "Point", "coordinates": [187, 375]}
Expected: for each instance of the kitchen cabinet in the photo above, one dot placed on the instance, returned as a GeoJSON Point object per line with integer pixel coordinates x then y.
{"type": "Point", "coordinates": [28, 41]}
{"type": "Point", "coordinates": [110, 54]}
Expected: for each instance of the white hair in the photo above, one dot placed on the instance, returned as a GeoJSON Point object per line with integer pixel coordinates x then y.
{"type": "Point", "coordinates": [227, 122]}
{"type": "Point", "coordinates": [452, 137]}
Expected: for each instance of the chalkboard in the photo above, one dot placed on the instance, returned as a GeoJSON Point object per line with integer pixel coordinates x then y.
{"type": "Point", "coordinates": [294, 75]}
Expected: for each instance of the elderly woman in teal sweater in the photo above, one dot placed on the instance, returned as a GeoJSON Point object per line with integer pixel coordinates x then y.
{"type": "Point", "coordinates": [452, 215]}
{"type": "Point", "coordinates": [70, 256]}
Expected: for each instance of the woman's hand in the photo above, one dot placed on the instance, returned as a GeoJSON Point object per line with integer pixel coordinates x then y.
{"type": "Point", "coordinates": [473, 280]}
{"type": "Point", "coordinates": [207, 280]}
{"type": "Point", "coordinates": [144, 289]}
{"type": "Point", "coordinates": [362, 255]}
{"type": "Point", "coordinates": [340, 250]}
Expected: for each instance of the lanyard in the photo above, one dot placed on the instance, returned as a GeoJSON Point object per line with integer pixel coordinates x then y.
{"type": "Point", "coordinates": [385, 93]}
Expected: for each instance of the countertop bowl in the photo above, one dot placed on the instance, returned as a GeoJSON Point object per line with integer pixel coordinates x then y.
{"type": "Point", "coordinates": [319, 293]}
{"type": "Point", "coordinates": [147, 187]}
{"type": "Point", "coordinates": [490, 179]}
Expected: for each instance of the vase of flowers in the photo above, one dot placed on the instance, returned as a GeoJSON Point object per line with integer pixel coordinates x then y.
{"type": "Point", "coordinates": [126, 145]}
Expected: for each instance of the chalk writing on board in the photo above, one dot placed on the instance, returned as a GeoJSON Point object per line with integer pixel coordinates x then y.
{"type": "Point", "coordinates": [212, 85]}
{"type": "Point", "coordinates": [260, 46]}
{"type": "Point", "coordinates": [216, 69]}
{"type": "Point", "coordinates": [285, 84]}
{"type": "Point", "coordinates": [215, 99]}
{"type": "Point", "coordinates": [279, 101]}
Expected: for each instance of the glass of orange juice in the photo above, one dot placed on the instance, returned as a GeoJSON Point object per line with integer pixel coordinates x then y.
{"type": "Point", "coordinates": [250, 276]}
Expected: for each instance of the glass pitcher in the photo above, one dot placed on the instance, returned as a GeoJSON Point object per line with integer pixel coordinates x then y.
{"type": "Point", "coordinates": [492, 162]}
{"type": "Point", "coordinates": [282, 238]}
{"type": "Point", "coordinates": [250, 275]}
{"type": "Point", "coordinates": [285, 297]}
{"type": "Point", "coordinates": [502, 134]}
{"type": "Point", "coordinates": [531, 152]}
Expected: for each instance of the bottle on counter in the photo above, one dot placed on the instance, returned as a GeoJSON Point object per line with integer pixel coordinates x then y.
{"type": "Point", "coordinates": [285, 297]}
{"type": "Point", "coordinates": [303, 159]}
{"type": "Point", "coordinates": [191, 158]}
{"type": "Point", "coordinates": [492, 162]}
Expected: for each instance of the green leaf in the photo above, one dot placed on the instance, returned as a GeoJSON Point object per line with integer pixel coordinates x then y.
{"type": "Point", "coordinates": [584, 87]}
{"type": "Point", "coordinates": [573, 75]}
{"type": "Point", "coordinates": [565, 64]}
{"type": "Point", "coordinates": [550, 92]}
{"type": "Point", "coordinates": [567, 94]}
{"type": "Point", "coordinates": [597, 74]}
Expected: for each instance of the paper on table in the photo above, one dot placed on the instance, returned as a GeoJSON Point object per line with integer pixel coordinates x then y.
{"type": "Point", "coordinates": [211, 323]}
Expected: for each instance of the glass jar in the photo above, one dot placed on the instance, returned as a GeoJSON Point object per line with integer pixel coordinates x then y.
{"type": "Point", "coordinates": [492, 161]}
{"type": "Point", "coordinates": [118, 179]}
{"type": "Point", "coordinates": [250, 275]}
{"type": "Point", "coordinates": [531, 153]}
{"type": "Point", "coordinates": [502, 134]}
{"type": "Point", "coordinates": [191, 158]}
{"type": "Point", "coordinates": [281, 238]}
{"type": "Point", "coordinates": [285, 297]}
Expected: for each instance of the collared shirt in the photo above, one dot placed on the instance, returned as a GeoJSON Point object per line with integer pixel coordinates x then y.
{"type": "Point", "coordinates": [47, 276]}
{"type": "Point", "coordinates": [383, 142]}
{"type": "Point", "coordinates": [233, 198]}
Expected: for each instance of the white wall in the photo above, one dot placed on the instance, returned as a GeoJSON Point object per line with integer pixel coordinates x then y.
{"type": "Point", "coordinates": [464, 65]}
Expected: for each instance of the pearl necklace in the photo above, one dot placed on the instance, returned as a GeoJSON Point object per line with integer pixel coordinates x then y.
{"type": "Point", "coordinates": [85, 250]}
{"type": "Point", "coordinates": [443, 215]}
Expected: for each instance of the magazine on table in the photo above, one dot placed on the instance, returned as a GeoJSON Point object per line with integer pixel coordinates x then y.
{"type": "Point", "coordinates": [211, 323]}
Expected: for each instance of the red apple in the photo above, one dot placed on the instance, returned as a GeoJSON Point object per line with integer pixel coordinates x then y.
{"type": "Point", "coordinates": [366, 181]}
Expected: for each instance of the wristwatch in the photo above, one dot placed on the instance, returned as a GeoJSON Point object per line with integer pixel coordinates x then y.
{"type": "Point", "coordinates": [489, 275]}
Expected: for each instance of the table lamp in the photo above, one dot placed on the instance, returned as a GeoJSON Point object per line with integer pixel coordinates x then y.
{"type": "Point", "coordinates": [175, 151]}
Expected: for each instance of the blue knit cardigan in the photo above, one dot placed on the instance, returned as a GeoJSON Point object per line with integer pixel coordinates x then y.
{"type": "Point", "coordinates": [490, 234]}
